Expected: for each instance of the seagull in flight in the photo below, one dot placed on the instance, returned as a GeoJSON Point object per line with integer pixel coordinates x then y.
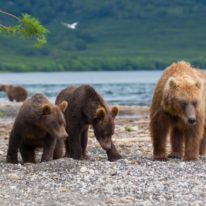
{"type": "Point", "coordinates": [71, 26]}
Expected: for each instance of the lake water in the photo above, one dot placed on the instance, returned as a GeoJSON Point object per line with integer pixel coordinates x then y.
{"type": "Point", "coordinates": [122, 88]}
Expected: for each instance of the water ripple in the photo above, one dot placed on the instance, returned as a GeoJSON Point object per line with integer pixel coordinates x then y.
{"type": "Point", "coordinates": [120, 94]}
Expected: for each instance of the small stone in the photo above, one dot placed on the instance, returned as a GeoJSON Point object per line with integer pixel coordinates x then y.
{"type": "Point", "coordinates": [64, 189]}
{"type": "Point", "coordinates": [113, 173]}
{"type": "Point", "coordinates": [182, 164]}
{"type": "Point", "coordinates": [91, 172]}
{"type": "Point", "coordinates": [109, 202]}
{"type": "Point", "coordinates": [13, 187]}
{"type": "Point", "coordinates": [83, 169]}
{"type": "Point", "coordinates": [1, 152]}
{"type": "Point", "coordinates": [126, 160]}
{"type": "Point", "coordinates": [20, 165]}
{"type": "Point", "coordinates": [13, 176]}
{"type": "Point", "coordinates": [132, 162]}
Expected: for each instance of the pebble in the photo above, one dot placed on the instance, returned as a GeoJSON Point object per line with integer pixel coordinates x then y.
{"type": "Point", "coordinates": [13, 187]}
{"type": "Point", "coordinates": [113, 173]}
{"type": "Point", "coordinates": [91, 172]}
{"type": "Point", "coordinates": [13, 177]}
{"type": "Point", "coordinates": [83, 169]}
{"type": "Point", "coordinates": [64, 189]}
{"type": "Point", "coordinates": [182, 164]}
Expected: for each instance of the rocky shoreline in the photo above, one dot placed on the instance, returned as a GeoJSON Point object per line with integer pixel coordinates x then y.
{"type": "Point", "coordinates": [134, 180]}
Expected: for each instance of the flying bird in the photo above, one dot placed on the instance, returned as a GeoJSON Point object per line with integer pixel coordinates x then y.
{"type": "Point", "coordinates": [71, 26]}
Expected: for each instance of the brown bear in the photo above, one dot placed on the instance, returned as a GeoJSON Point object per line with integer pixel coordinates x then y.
{"type": "Point", "coordinates": [39, 123]}
{"type": "Point", "coordinates": [178, 109]}
{"type": "Point", "coordinates": [14, 93]}
{"type": "Point", "coordinates": [87, 107]}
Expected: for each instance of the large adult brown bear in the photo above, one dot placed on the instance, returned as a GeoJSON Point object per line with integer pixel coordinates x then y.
{"type": "Point", "coordinates": [39, 123]}
{"type": "Point", "coordinates": [178, 109]}
{"type": "Point", "coordinates": [87, 107]}
{"type": "Point", "coordinates": [14, 93]}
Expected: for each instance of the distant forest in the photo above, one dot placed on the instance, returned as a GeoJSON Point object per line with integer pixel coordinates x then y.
{"type": "Point", "coordinates": [111, 35]}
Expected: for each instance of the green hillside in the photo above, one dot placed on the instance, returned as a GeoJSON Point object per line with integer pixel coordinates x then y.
{"type": "Point", "coordinates": [111, 35]}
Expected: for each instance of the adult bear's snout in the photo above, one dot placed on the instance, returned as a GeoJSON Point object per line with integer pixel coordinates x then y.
{"type": "Point", "coordinates": [191, 114]}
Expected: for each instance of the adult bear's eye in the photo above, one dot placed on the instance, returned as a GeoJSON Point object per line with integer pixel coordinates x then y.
{"type": "Point", "coordinates": [183, 104]}
{"type": "Point", "coordinates": [194, 103]}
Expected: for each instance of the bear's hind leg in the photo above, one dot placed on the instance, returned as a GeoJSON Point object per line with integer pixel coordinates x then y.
{"type": "Point", "coordinates": [84, 141]}
{"type": "Point", "coordinates": [75, 142]}
{"type": "Point", "coordinates": [177, 140]}
{"type": "Point", "coordinates": [67, 147]}
{"type": "Point", "coordinates": [27, 153]}
{"type": "Point", "coordinates": [159, 126]}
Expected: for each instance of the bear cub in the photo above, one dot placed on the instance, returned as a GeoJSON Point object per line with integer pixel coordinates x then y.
{"type": "Point", "coordinates": [14, 93]}
{"type": "Point", "coordinates": [87, 107]}
{"type": "Point", "coordinates": [39, 123]}
{"type": "Point", "coordinates": [178, 109]}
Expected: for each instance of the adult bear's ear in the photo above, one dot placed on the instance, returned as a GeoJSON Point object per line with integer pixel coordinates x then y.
{"type": "Point", "coordinates": [63, 105]}
{"type": "Point", "coordinates": [114, 111]}
{"type": "Point", "coordinates": [198, 84]}
{"type": "Point", "coordinates": [100, 113]}
{"type": "Point", "coordinates": [172, 82]}
{"type": "Point", "coordinates": [46, 109]}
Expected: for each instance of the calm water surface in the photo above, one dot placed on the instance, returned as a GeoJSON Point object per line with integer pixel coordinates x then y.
{"type": "Point", "coordinates": [123, 88]}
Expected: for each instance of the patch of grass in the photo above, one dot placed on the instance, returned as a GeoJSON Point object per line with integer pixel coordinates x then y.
{"type": "Point", "coordinates": [2, 114]}
{"type": "Point", "coordinates": [128, 129]}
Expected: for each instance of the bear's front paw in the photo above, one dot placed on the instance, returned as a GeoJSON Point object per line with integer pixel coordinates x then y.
{"type": "Point", "coordinates": [46, 159]}
{"type": "Point", "coordinates": [12, 160]}
{"type": "Point", "coordinates": [76, 156]}
{"type": "Point", "coordinates": [67, 155]}
{"type": "Point", "coordinates": [187, 158]}
{"type": "Point", "coordinates": [114, 157]}
{"type": "Point", "coordinates": [174, 155]}
{"type": "Point", "coordinates": [160, 158]}
{"type": "Point", "coordinates": [85, 157]}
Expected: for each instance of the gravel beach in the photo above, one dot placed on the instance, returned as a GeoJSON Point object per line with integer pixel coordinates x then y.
{"type": "Point", "coordinates": [134, 180]}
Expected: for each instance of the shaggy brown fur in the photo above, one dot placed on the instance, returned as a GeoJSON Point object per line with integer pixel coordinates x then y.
{"type": "Point", "coordinates": [86, 107]}
{"type": "Point", "coordinates": [38, 124]}
{"type": "Point", "coordinates": [178, 108]}
{"type": "Point", "coordinates": [14, 93]}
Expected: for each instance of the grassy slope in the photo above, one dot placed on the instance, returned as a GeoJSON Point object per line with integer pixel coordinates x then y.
{"type": "Point", "coordinates": [149, 41]}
